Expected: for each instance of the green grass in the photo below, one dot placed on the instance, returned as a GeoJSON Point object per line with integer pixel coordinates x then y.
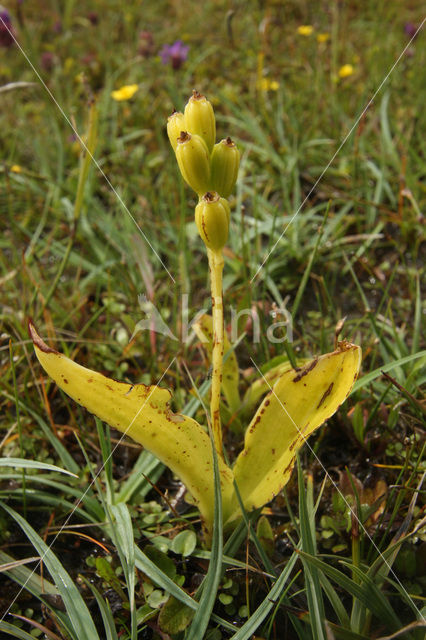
{"type": "Point", "coordinates": [101, 514]}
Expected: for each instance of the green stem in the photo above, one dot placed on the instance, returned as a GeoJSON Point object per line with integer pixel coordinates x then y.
{"type": "Point", "coordinates": [216, 270]}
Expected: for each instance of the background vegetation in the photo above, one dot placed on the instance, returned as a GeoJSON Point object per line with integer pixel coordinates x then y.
{"type": "Point", "coordinates": [333, 190]}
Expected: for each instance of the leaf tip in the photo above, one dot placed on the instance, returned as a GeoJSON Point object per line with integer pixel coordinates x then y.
{"type": "Point", "coordinates": [37, 341]}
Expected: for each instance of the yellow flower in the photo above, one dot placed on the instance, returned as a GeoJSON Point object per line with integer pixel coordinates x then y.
{"type": "Point", "coordinates": [15, 168]}
{"type": "Point", "coordinates": [266, 84]}
{"type": "Point", "coordinates": [323, 37]}
{"type": "Point", "coordinates": [305, 30]}
{"type": "Point", "coordinates": [346, 71]}
{"type": "Point", "coordinates": [125, 93]}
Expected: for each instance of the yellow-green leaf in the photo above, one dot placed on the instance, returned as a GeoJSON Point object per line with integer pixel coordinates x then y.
{"type": "Point", "coordinates": [299, 402]}
{"type": "Point", "coordinates": [230, 374]}
{"type": "Point", "coordinates": [143, 413]}
{"type": "Point", "coordinates": [263, 384]}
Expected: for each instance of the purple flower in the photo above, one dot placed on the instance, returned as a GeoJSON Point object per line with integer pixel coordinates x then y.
{"type": "Point", "coordinates": [410, 29]}
{"type": "Point", "coordinates": [6, 28]}
{"type": "Point", "coordinates": [175, 53]}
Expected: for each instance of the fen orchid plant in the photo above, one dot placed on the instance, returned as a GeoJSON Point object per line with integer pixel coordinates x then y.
{"type": "Point", "coordinates": [296, 400]}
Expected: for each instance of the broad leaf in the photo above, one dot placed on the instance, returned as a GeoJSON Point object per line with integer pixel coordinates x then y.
{"type": "Point", "coordinates": [299, 402]}
{"type": "Point", "coordinates": [143, 413]}
{"type": "Point", "coordinates": [263, 384]}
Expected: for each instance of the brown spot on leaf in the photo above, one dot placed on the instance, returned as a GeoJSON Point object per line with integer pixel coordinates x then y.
{"type": "Point", "coordinates": [306, 370]}
{"type": "Point", "coordinates": [326, 393]}
{"type": "Point", "coordinates": [289, 468]}
{"type": "Point", "coordinates": [293, 444]}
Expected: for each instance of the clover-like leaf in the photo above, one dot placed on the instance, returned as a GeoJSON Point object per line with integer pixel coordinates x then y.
{"type": "Point", "coordinates": [143, 413]}
{"type": "Point", "coordinates": [298, 403]}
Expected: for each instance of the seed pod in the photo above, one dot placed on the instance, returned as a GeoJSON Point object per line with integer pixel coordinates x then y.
{"type": "Point", "coordinates": [199, 118]}
{"type": "Point", "coordinates": [194, 161]}
{"type": "Point", "coordinates": [212, 218]}
{"type": "Point", "coordinates": [225, 162]}
{"type": "Point", "coordinates": [175, 124]}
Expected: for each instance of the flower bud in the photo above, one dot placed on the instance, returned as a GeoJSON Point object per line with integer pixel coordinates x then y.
{"type": "Point", "coordinates": [175, 124]}
{"type": "Point", "coordinates": [199, 118]}
{"type": "Point", "coordinates": [225, 162]}
{"type": "Point", "coordinates": [212, 218]}
{"type": "Point", "coordinates": [194, 161]}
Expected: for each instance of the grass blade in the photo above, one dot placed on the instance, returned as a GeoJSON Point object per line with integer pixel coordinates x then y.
{"type": "Point", "coordinates": [33, 464]}
{"type": "Point", "coordinates": [366, 591]}
{"type": "Point", "coordinates": [160, 579]}
{"type": "Point", "coordinates": [249, 627]}
{"type": "Point", "coordinates": [123, 534]}
{"type": "Point", "coordinates": [104, 608]}
{"type": "Point", "coordinates": [77, 610]}
{"type": "Point", "coordinates": [66, 458]}
{"type": "Point", "coordinates": [15, 632]}
{"type": "Point", "coordinates": [369, 377]}
{"type": "Point", "coordinates": [340, 633]}
{"type": "Point", "coordinates": [24, 576]}
{"type": "Point", "coordinates": [146, 466]}
{"type": "Point", "coordinates": [308, 269]}
{"type": "Point", "coordinates": [417, 329]}
{"type": "Point", "coordinates": [307, 537]}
